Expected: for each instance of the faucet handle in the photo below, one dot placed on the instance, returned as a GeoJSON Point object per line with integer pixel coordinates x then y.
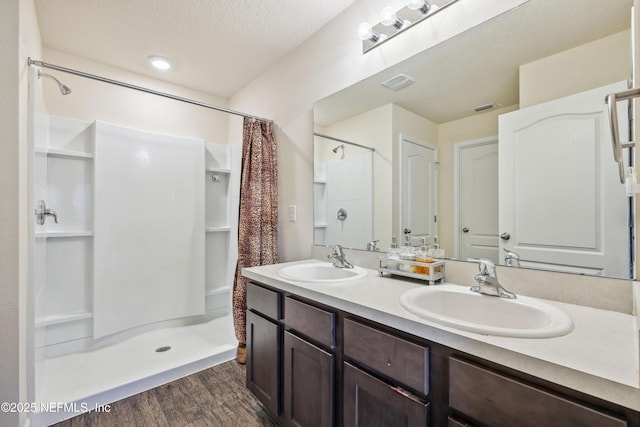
{"type": "Point", "coordinates": [486, 267]}
{"type": "Point", "coordinates": [511, 259]}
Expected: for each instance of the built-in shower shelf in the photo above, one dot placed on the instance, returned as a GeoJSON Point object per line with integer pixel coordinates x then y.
{"type": "Point", "coordinates": [63, 234]}
{"type": "Point", "coordinates": [59, 152]}
{"type": "Point", "coordinates": [62, 318]}
{"type": "Point", "coordinates": [320, 226]}
{"type": "Point", "coordinates": [217, 229]}
{"type": "Point", "coordinates": [218, 170]}
{"type": "Point", "coordinates": [320, 181]}
{"type": "Point", "coordinates": [218, 291]}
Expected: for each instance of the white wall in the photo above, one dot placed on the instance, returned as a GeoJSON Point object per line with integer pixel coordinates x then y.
{"type": "Point", "coordinates": [19, 38]}
{"type": "Point", "coordinates": [9, 247]}
{"type": "Point", "coordinates": [91, 100]}
{"type": "Point", "coordinates": [329, 61]}
{"type": "Point", "coordinates": [608, 60]}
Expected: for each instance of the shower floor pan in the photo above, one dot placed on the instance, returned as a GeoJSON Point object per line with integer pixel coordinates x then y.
{"type": "Point", "coordinates": [99, 377]}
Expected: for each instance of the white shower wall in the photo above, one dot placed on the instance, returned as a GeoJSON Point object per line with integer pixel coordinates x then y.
{"type": "Point", "coordinates": [347, 185]}
{"type": "Point", "coordinates": [64, 285]}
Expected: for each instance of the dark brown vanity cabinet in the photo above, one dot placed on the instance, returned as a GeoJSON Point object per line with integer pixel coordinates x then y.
{"type": "Point", "coordinates": [313, 365]}
{"type": "Point", "coordinates": [379, 374]}
{"type": "Point", "coordinates": [493, 399]}
{"type": "Point", "coordinates": [264, 338]}
{"type": "Point", "coordinates": [309, 365]}
{"type": "Point", "coordinates": [291, 357]}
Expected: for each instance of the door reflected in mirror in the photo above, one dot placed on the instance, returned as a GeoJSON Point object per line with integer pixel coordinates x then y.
{"type": "Point", "coordinates": [540, 60]}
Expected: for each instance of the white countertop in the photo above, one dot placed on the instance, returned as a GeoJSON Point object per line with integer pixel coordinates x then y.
{"type": "Point", "coordinates": [600, 357]}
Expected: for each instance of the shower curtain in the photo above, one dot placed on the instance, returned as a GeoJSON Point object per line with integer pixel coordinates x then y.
{"type": "Point", "coordinates": [258, 221]}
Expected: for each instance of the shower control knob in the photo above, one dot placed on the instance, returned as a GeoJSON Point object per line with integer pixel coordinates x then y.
{"type": "Point", "coordinates": [42, 211]}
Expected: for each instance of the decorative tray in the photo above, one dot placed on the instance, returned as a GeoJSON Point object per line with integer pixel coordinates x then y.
{"type": "Point", "coordinates": [429, 271]}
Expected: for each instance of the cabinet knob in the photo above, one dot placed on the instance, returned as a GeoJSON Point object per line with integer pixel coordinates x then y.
{"type": "Point", "coordinates": [388, 362]}
{"type": "Point", "coordinates": [465, 230]}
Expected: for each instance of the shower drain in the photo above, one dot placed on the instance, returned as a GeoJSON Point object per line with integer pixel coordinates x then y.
{"type": "Point", "coordinates": [163, 349]}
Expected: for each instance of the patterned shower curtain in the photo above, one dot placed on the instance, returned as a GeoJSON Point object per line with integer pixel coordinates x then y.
{"type": "Point", "coordinates": [258, 222]}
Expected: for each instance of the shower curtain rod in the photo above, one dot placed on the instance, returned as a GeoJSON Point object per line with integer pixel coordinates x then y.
{"type": "Point", "coordinates": [141, 89]}
{"type": "Point", "coordinates": [342, 140]}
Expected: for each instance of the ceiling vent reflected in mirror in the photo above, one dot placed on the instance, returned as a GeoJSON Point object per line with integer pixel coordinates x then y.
{"type": "Point", "coordinates": [485, 107]}
{"type": "Point", "coordinates": [398, 82]}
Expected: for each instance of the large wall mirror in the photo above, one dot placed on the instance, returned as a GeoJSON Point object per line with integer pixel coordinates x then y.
{"type": "Point", "coordinates": [495, 139]}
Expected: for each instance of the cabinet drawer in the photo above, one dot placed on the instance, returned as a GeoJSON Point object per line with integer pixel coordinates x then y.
{"type": "Point", "coordinates": [371, 402]}
{"type": "Point", "coordinates": [314, 322]}
{"type": "Point", "coordinates": [264, 301]}
{"type": "Point", "coordinates": [496, 400]}
{"type": "Point", "coordinates": [391, 356]}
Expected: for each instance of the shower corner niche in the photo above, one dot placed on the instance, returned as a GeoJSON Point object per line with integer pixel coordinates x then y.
{"type": "Point", "coordinates": [320, 203]}
{"type": "Point", "coordinates": [218, 217]}
{"type": "Point", "coordinates": [64, 167]}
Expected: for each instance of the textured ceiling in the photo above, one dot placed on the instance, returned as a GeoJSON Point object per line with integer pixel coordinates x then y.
{"type": "Point", "coordinates": [217, 46]}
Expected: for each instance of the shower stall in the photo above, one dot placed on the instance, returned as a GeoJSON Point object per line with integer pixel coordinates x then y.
{"type": "Point", "coordinates": [343, 192]}
{"type": "Point", "coordinates": [134, 248]}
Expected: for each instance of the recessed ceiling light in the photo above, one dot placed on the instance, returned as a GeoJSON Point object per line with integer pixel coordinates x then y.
{"type": "Point", "coordinates": [159, 62]}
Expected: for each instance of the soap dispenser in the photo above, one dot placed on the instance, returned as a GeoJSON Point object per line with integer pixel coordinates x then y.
{"type": "Point", "coordinates": [422, 256]}
{"type": "Point", "coordinates": [407, 253]}
{"type": "Point", "coordinates": [394, 253]}
{"type": "Point", "coordinates": [437, 252]}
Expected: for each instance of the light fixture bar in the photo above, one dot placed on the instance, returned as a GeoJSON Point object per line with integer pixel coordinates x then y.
{"type": "Point", "coordinates": [393, 23]}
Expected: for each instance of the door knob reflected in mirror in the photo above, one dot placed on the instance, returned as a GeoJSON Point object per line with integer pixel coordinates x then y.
{"type": "Point", "coordinates": [465, 230]}
{"type": "Point", "coordinates": [505, 236]}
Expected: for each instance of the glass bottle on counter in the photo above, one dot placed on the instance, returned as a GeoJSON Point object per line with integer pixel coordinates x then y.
{"type": "Point", "coordinates": [394, 253]}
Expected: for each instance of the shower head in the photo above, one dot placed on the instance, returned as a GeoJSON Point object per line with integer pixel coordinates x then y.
{"type": "Point", "coordinates": [64, 89]}
{"type": "Point", "coordinates": [335, 150]}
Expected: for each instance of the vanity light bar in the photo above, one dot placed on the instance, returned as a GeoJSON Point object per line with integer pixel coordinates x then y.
{"type": "Point", "coordinates": [393, 23]}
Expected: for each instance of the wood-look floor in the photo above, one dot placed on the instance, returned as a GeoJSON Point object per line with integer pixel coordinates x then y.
{"type": "Point", "coordinates": [214, 397]}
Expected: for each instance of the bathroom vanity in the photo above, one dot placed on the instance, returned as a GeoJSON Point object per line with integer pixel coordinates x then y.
{"type": "Point", "coordinates": [349, 355]}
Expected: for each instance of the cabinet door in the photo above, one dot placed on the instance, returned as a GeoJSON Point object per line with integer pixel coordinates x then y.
{"type": "Point", "coordinates": [370, 402]}
{"type": "Point", "coordinates": [263, 355]}
{"type": "Point", "coordinates": [308, 383]}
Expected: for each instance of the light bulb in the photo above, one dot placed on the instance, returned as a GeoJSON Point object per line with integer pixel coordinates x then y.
{"type": "Point", "coordinates": [420, 5]}
{"type": "Point", "coordinates": [365, 32]}
{"type": "Point", "coordinates": [388, 18]}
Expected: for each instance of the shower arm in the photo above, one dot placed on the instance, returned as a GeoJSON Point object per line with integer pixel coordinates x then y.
{"type": "Point", "coordinates": [321, 135]}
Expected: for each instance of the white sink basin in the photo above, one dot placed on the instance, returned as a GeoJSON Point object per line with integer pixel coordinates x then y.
{"type": "Point", "coordinates": [321, 273]}
{"type": "Point", "coordinates": [458, 307]}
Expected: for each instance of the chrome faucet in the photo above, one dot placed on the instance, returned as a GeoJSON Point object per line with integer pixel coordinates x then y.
{"type": "Point", "coordinates": [511, 259]}
{"type": "Point", "coordinates": [338, 257]}
{"type": "Point", "coordinates": [488, 281]}
{"type": "Point", "coordinates": [372, 246]}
